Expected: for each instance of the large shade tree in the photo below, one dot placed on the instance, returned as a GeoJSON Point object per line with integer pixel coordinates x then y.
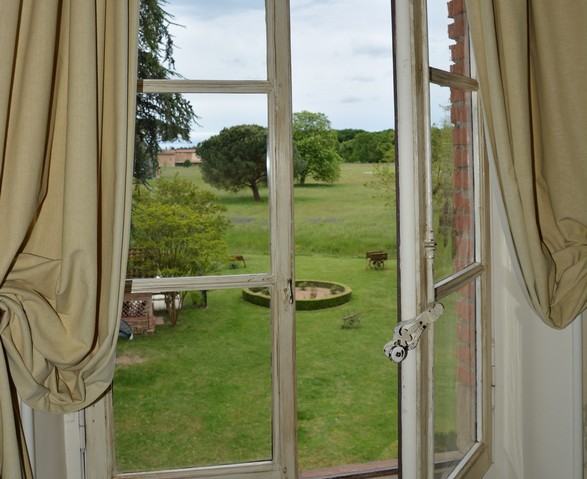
{"type": "Point", "coordinates": [316, 148]}
{"type": "Point", "coordinates": [161, 117]}
{"type": "Point", "coordinates": [235, 159]}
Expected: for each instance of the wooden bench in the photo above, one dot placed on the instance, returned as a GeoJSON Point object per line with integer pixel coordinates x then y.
{"type": "Point", "coordinates": [239, 257]}
{"type": "Point", "coordinates": [376, 259]}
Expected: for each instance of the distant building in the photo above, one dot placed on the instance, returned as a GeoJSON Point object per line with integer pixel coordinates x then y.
{"type": "Point", "coordinates": [177, 157]}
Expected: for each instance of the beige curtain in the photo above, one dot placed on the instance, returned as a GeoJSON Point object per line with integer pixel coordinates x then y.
{"type": "Point", "coordinates": [532, 68]}
{"type": "Point", "coordinates": [67, 89]}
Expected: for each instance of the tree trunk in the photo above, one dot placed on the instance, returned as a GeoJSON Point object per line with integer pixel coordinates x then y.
{"type": "Point", "coordinates": [172, 308]}
{"type": "Point", "coordinates": [255, 188]}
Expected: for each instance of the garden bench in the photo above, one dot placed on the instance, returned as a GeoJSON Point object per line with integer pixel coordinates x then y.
{"type": "Point", "coordinates": [376, 259]}
{"type": "Point", "coordinates": [241, 258]}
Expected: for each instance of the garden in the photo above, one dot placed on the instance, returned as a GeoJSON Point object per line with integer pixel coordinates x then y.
{"type": "Point", "coordinates": [199, 392]}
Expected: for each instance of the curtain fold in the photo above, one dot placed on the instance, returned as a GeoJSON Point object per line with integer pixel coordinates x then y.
{"type": "Point", "coordinates": [532, 71]}
{"type": "Point", "coordinates": [67, 92]}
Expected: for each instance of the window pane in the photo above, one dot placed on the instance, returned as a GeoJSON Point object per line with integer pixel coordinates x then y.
{"type": "Point", "coordinates": [197, 218]}
{"type": "Point", "coordinates": [448, 41]}
{"type": "Point", "coordinates": [455, 386]}
{"type": "Point", "coordinates": [218, 40]}
{"type": "Point", "coordinates": [347, 392]}
{"type": "Point", "coordinates": [453, 181]}
{"type": "Point", "coordinates": [197, 393]}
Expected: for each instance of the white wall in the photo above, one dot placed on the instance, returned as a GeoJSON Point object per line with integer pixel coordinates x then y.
{"type": "Point", "coordinates": [538, 418]}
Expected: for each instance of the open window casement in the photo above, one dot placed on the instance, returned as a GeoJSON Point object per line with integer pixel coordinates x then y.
{"type": "Point", "coordinates": [445, 426]}
{"type": "Point", "coordinates": [442, 340]}
{"type": "Point", "coordinates": [277, 459]}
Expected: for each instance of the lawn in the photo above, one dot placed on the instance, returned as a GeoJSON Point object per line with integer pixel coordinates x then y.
{"type": "Point", "coordinates": [199, 393]}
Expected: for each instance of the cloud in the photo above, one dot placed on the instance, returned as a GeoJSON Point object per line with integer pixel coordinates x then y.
{"type": "Point", "coordinates": [375, 49]}
{"type": "Point", "coordinates": [351, 99]}
{"type": "Point", "coordinates": [362, 79]}
{"type": "Point", "coordinates": [341, 60]}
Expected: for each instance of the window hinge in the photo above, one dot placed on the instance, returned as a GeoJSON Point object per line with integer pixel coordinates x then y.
{"type": "Point", "coordinates": [407, 333]}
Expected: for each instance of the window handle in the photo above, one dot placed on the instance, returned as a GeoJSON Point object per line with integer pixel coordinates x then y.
{"type": "Point", "coordinates": [407, 333]}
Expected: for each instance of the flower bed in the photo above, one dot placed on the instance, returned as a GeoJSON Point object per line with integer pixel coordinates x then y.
{"type": "Point", "coordinates": [310, 295]}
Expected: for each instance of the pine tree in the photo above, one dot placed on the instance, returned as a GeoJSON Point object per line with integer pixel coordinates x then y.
{"type": "Point", "coordinates": [160, 117]}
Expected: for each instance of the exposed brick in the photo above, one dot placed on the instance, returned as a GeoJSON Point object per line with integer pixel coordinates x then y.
{"type": "Point", "coordinates": [465, 376]}
{"type": "Point", "coordinates": [464, 248]}
{"type": "Point", "coordinates": [457, 51]}
{"type": "Point", "coordinates": [457, 94]}
{"type": "Point", "coordinates": [467, 292]}
{"type": "Point", "coordinates": [462, 178]}
{"type": "Point", "coordinates": [463, 202]}
{"type": "Point", "coordinates": [460, 113]}
{"type": "Point", "coordinates": [458, 28]}
{"type": "Point", "coordinates": [462, 158]}
{"type": "Point", "coordinates": [465, 310]}
{"type": "Point", "coordinates": [455, 7]}
{"type": "Point", "coordinates": [461, 136]}
{"type": "Point", "coordinates": [465, 332]}
{"type": "Point", "coordinates": [465, 353]}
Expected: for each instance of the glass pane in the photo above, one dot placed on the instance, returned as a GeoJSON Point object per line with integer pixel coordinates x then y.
{"type": "Point", "coordinates": [205, 211]}
{"type": "Point", "coordinates": [448, 40]}
{"type": "Point", "coordinates": [197, 393]}
{"type": "Point", "coordinates": [347, 392]}
{"type": "Point", "coordinates": [455, 386]}
{"type": "Point", "coordinates": [218, 40]}
{"type": "Point", "coordinates": [453, 182]}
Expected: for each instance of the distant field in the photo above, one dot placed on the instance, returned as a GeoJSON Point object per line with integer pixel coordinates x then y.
{"type": "Point", "coordinates": [342, 219]}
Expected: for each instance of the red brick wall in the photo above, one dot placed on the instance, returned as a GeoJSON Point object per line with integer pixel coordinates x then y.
{"type": "Point", "coordinates": [464, 225]}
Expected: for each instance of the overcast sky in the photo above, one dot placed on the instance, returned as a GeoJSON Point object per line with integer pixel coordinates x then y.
{"type": "Point", "coordinates": [341, 59]}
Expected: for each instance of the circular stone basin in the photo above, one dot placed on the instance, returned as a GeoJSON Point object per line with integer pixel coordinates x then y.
{"type": "Point", "coordinates": [310, 295]}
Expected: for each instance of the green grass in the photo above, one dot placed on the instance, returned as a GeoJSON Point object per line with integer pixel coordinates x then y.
{"type": "Point", "coordinates": [343, 219]}
{"type": "Point", "coordinates": [199, 393]}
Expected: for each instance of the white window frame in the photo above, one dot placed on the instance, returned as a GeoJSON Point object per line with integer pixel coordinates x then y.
{"type": "Point", "coordinates": [417, 290]}
{"type": "Point", "coordinates": [277, 88]}
{"type": "Point", "coordinates": [416, 252]}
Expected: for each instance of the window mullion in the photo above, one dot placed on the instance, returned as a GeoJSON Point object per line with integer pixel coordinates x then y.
{"type": "Point", "coordinates": [280, 178]}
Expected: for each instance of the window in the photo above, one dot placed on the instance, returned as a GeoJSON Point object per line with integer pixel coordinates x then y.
{"type": "Point", "coordinates": [443, 254]}
{"type": "Point", "coordinates": [443, 259]}
{"type": "Point", "coordinates": [264, 353]}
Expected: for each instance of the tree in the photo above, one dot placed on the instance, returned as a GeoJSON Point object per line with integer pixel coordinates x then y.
{"type": "Point", "coordinates": [160, 117]}
{"type": "Point", "coordinates": [369, 147]}
{"type": "Point", "coordinates": [181, 228]}
{"type": "Point", "coordinates": [235, 159]}
{"type": "Point", "coordinates": [316, 146]}
{"type": "Point", "coordinates": [442, 179]}
{"type": "Point", "coordinates": [383, 181]}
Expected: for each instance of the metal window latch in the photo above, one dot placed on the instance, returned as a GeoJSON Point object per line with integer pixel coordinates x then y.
{"type": "Point", "coordinates": [407, 333]}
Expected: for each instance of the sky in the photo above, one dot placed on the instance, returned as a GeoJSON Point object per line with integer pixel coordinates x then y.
{"type": "Point", "coordinates": [341, 59]}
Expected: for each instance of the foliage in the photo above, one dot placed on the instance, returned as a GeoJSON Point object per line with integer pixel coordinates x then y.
{"type": "Point", "coordinates": [369, 147]}
{"type": "Point", "coordinates": [160, 117]}
{"type": "Point", "coordinates": [442, 180]}
{"type": "Point", "coordinates": [182, 228]}
{"type": "Point", "coordinates": [383, 182]}
{"type": "Point", "coordinates": [235, 159]}
{"type": "Point", "coordinates": [347, 134]}
{"type": "Point", "coordinates": [316, 146]}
